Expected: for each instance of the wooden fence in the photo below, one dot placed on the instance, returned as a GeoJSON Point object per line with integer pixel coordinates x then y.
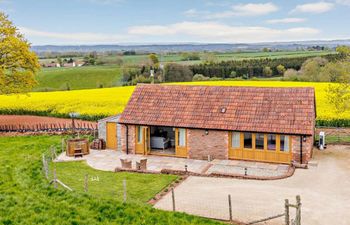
{"type": "Point", "coordinates": [47, 127]}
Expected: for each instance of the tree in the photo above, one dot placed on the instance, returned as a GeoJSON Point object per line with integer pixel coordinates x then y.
{"type": "Point", "coordinates": [18, 65]}
{"type": "Point", "coordinates": [291, 74]}
{"type": "Point", "coordinates": [281, 69]}
{"type": "Point", "coordinates": [154, 58]}
{"type": "Point", "coordinates": [209, 58]}
{"type": "Point", "coordinates": [176, 73]}
{"type": "Point", "coordinates": [344, 51]}
{"type": "Point", "coordinates": [267, 71]}
{"type": "Point", "coordinates": [311, 69]}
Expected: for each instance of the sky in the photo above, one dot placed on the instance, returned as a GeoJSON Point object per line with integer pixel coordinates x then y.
{"type": "Point", "coordinates": [72, 22]}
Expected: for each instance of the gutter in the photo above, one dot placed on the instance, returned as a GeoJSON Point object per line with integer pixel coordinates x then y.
{"type": "Point", "coordinates": [127, 139]}
{"type": "Point", "coordinates": [301, 149]}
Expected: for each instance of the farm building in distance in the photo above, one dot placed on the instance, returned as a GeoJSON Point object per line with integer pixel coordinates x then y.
{"type": "Point", "coordinates": [217, 122]}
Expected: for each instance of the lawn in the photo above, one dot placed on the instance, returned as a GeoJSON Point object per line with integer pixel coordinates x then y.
{"type": "Point", "coordinates": [98, 103]}
{"type": "Point", "coordinates": [26, 197]}
{"type": "Point", "coordinates": [86, 77]}
{"type": "Point", "coordinates": [140, 187]}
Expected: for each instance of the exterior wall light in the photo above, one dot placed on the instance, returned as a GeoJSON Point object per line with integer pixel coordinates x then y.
{"type": "Point", "coordinates": [206, 132]}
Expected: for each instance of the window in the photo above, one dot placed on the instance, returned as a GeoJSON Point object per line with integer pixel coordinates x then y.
{"type": "Point", "coordinates": [248, 140]}
{"type": "Point", "coordinates": [182, 137]}
{"type": "Point", "coordinates": [259, 141]}
{"type": "Point", "coordinates": [271, 142]}
{"type": "Point", "coordinates": [236, 140]}
{"type": "Point", "coordinates": [139, 134]}
{"type": "Point", "coordinates": [284, 143]}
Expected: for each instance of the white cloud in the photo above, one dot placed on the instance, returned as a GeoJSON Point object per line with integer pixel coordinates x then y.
{"type": "Point", "coordinates": [195, 13]}
{"type": "Point", "coordinates": [81, 38]}
{"type": "Point", "coordinates": [286, 20]}
{"type": "Point", "coordinates": [103, 2]}
{"type": "Point", "coordinates": [211, 32]}
{"type": "Point", "coordinates": [343, 2]}
{"type": "Point", "coordinates": [249, 9]}
{"type": "Point", "coordinates": [316, 7]}
{"type": "Point", "coordinates": [217, 32]}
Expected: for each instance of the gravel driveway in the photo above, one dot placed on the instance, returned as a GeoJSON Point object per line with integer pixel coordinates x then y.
{"type": "Point", "coordinates": [324, 190]}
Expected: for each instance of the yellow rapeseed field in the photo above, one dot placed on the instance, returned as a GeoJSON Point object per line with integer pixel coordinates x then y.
{"type": "Point", "coordinates": [97, 103]}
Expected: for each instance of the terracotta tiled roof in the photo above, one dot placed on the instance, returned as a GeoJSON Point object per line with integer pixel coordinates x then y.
{"type": "Point", "coordinates": [256, 109]}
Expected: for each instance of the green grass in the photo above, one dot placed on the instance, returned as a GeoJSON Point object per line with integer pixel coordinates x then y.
{"type": "Point", "coordinates": [26, 197]}
{"type": "Point", "coordinates": [140, 187]}
{"type": "Point", "coordinates": [86, 77]}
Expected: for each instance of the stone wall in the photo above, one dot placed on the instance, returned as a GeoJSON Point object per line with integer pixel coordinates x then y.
{"type": "Point", "coordinates": [102, 129]}
{"type": "Point", "coordinates": [131, 138]}
{"type": "Point", "coordinates": [200, 145]}
{"type": "Point", "coordinates": [307, 148]}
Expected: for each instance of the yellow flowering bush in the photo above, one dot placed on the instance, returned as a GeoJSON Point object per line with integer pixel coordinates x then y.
{"type": "Point", "coordinates": [98, 103]}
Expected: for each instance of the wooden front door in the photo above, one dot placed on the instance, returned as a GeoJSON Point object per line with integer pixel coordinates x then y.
{"type": "Point", "coordinates": [142, 140]}
{"type": "Point", "coordinates": [111, 134]}
{"type": "Point", "coordinates": [181, 142]}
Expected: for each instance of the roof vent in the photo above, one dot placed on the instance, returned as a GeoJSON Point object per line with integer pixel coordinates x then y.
{"type": "Point", "coordinates": [223, 109]}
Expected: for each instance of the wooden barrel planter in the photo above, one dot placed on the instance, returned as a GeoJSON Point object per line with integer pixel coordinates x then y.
{"type": "Point", "coordinates": [77, 147]}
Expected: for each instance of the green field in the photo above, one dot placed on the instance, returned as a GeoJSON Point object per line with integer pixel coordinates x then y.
{"type": "Point", "coordinates": [272, 55]}
{"type": "Point", "coordinates": [109, 75]}
{"type": "Point", "coordinates": [87, 77]}
{"type": "Point", "coordinates": [26, 197]}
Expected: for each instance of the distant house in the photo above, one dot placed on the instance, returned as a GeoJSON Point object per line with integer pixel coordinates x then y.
{"type": "Point", "coordinates": [200, 122]}
{"type": "Point", "coordinates": [52, 64]}
{"type": "Point", "coordinates": [69, 64]}
{"type": "Point", "coordinates": [79, 63]}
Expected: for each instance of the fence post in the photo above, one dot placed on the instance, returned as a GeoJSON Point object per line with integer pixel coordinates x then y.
{"type": "Point", "coordinates": [63, 145]}
{"type": "Point", "coordinates": [298, 211]}
{"type": "Point", "coordinates": [173, 198]}
{"type": "Point", "coordinates": [54, 178]}
{"type": "Point", "coordinates": [45, 167]}
{"type": "Point", "coordinates": [86, 182]}
{"type": "Point", "coordinates": [124, 187]}
{"type": "Point", "coordinates": [286, 212]}
{"type": "Point", "coordinates": [230, 207]}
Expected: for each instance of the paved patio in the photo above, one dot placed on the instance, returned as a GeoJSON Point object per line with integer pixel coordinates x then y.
{"type": "Point", "coordinates": [109, 160]}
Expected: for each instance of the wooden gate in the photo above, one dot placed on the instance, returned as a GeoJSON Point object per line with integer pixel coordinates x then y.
{"type": "Point", "coordinates": [111, 134]}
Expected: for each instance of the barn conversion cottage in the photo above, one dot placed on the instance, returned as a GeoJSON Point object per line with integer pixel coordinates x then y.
{"type": "Point", "coordinates": [219, 122]}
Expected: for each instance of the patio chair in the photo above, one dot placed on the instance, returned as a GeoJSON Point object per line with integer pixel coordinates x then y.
{"type": "Point", "coordinates": [142, 165]}
{"type": "Point", "coordinates": [126, 163]}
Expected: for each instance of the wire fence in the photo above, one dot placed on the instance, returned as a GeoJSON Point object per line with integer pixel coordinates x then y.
{"type": "Point", "coordinates": [79, 177]}
{"type": "Point", "coordinates": [225, 208]}
{"type": "Point", "coordinates": [48, 127]}
{"type": "Point", "coordinates": [221, 206]}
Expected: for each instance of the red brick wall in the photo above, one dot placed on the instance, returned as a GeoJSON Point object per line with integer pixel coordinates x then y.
{"type": "Point", "coordinates": [307, 148]}
{"type": "Point", "coordinates": [131, 137]}
{"type": "Point", "coordinates": [201, 145]}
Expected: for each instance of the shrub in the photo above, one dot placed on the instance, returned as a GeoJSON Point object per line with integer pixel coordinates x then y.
{"type": "Point", "coordinates": [177, 73]}
{"type": "Point", "coordinates": [291, 74]}
{"type": "Point", "coordinates": [199, 77]}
